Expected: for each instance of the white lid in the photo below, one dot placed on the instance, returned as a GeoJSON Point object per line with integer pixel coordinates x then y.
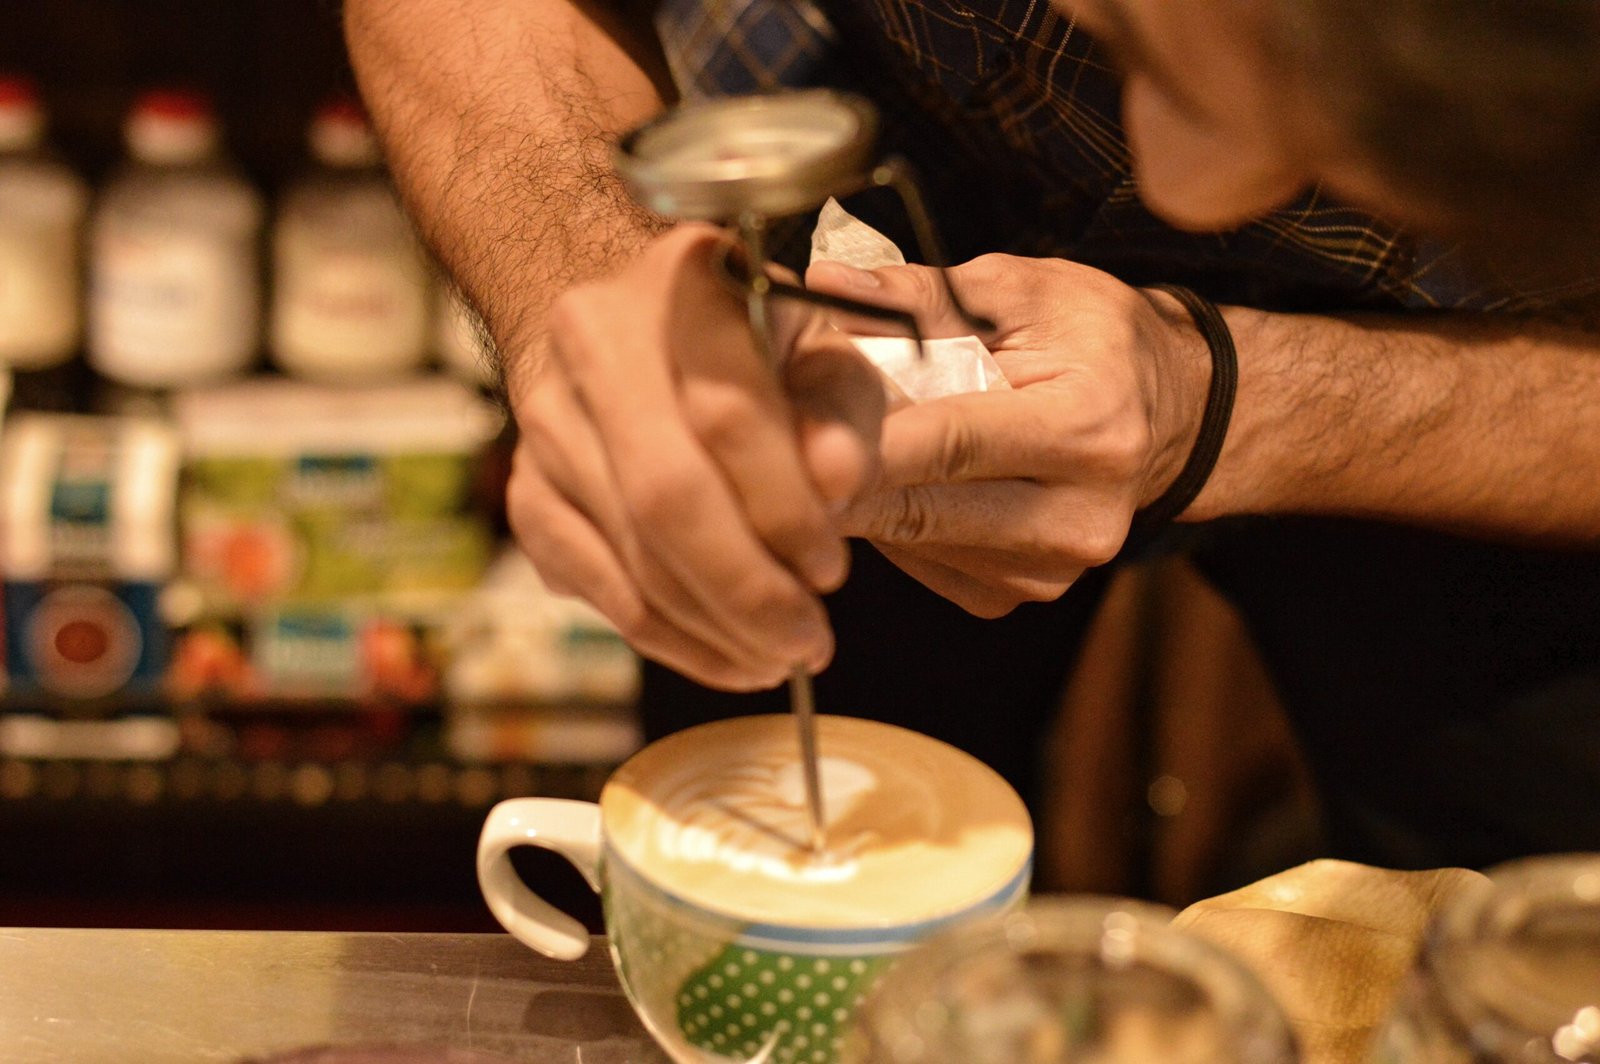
{"type": "Point", "coordinates": [341, 135]}
{"type": "Point", "coordinates": [21, 116]}
{"type": "Point", "coordinates": [171, 127]}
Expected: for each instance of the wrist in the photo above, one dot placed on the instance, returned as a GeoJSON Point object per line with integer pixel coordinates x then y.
{"type": "Point", "coordinates": [1183, 376]}
{"type": "Point", "coordinates": [1198, 376]}
{"type": "Point", "coordinates": [1305, 401]}
{"type": "Point", "coordinates": [515, 293]}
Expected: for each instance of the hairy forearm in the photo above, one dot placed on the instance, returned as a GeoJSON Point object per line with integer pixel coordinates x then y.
{"type": "Point", "coordinates": [498, 118]}
{"type": "Point", "coordinates": [1456, 422]}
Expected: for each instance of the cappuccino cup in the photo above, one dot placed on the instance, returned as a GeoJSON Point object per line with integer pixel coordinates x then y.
{"type": "Point", "coordinates": [731, 938]}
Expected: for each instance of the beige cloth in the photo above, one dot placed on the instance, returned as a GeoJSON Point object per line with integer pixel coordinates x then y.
{"type": "Point", "coordinates": [1330, 940]}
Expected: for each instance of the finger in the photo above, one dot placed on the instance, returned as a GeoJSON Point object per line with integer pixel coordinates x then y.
{"type": "Point", "coordinates": [573, 558]}
{"type": "Point", "coordinates": [947, 581]}
{"type": "Point", "coordinates": [1019, 576]}
{"type": "Point", "coordinates": [979, 436]}
{"type": "Point", "coordinates": [840, 403]}
{"type": "Point", "coordinates": [678, 499]}
{"type": "Point", "coordinates": [923, 515]}
{"type": "Point", "coordinates": [1047, 524]}
{"type": "Point", "coordinates": [561, 441]}
{"type": "Point", "coordinates": [740, 488]}
{"type": "Point", "coordinates": [771, 487]}
{"type": "Point", "coordinates": [918, 290]}
{"type": "Point", "coordinates": [571, 555]}
{"type": "Point", "coordinates": [750, 440]}
{"type": "Point", "coordinates": [840, 466]}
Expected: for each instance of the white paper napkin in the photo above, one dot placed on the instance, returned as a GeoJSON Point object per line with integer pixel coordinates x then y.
{"type": "Point", "coordinates": [948, 366]}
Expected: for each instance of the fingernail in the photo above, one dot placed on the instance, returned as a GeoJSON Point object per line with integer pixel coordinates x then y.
{"type": "Point", "coordinates": [853, 277]}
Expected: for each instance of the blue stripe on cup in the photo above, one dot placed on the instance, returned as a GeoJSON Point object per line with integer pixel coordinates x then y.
{"type": "Point", "coordinates": [777, 937]}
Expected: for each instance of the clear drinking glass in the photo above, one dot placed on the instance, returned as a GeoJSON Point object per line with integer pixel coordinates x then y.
{"type": "Point", "coordinates": [1509, 972]}
{"type": "Point", "coordinates": [1101, 980]}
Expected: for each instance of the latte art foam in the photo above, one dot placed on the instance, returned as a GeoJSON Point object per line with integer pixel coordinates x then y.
{"type": "Point", "coordinates": [753, 820]}
{"type": "Point", "coordinates": [915, 829]}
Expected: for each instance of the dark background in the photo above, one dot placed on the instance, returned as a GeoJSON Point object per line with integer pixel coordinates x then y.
{"type": "Point", "coordinates": [266, 64]}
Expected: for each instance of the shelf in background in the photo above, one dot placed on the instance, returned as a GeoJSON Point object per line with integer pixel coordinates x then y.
{"type": "Point", "coordinates": [381, 839]}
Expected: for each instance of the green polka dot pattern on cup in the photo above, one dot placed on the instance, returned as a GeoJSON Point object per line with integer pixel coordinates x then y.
{"type": "Point", "coordinates": [745, 998]}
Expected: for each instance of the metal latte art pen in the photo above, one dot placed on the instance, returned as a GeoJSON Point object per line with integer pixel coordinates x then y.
{"type": "Point", "coordinates": [805, 719]}
{"type": "Point", "coordinates": [753, 230]}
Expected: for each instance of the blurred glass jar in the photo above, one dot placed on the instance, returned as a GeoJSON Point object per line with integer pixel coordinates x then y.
{"type": "Point", "coordinates": [1510, 972]}
{"type": "Point", "coordinates": [1080, 980]}
{"type": "Point", "coordinates": [350, 300]}
{"type": "Point", "coordinates": [42, 207]}
{"type": "Point", "coordinates": [175, 286]}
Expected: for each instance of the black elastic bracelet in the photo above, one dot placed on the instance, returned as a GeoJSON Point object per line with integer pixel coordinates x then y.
{"type": "Point", "coordinates": [1213, 424]}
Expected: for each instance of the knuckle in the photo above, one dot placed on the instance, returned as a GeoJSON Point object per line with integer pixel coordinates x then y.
{"type": "Point", "coordinates": [582, 328]}
{"type": "Point", "coordinates": [998, 597]}
{"type": "Point", "coordinates": [918, 289]}
{"type": "Point", "coordinates": [724, 417]}
{"type": "Point", "coordinates": [658, 611]}
{"type": "Point", "coordinates": [762, 601]}
{"type": "Point", "coordinates": [927, 286]}
{"type": "Point", "coordinates": [528, 513]}
{"type": "Point", "coordinates": [1037, 593]}
{"type": "Point", "coordinates": [790, 531]}
{"type": "Point", "coordinates": [988, 604]}
{"type": "Point", "coordinates": [1037, 588]}
{"type": "Point", "coordinates": [1121, 315]}
{"type": "Point", "coordinates": [519, 485]}
{"type": "Point", "coordinates": [540, 433]}
{"type": "Point", "coordinates": [1126, 447]}
{"type": "Point", "coordinates": [1099, 541]}
{"type": "Point", "coordinates": [661, 497]}
{"type": "Point", "coordinates": [984, 271]}
{"type": "Point", "coordinates": [908, 517]}
{"type": "Point", "coordinates": [633, 621]}
{"type": "Point", "coordinates": [751, 598]}
{"type": "Point", "coordinates": [958, 451]}
{"type": "Point", "coordinates": [557, 582]}
{"type": "Point", "coordinates": [573, 319]}
{"type": "Point", "coordinates": [685, 239]}
{"type": "Point", "coordinates": [569, 313]}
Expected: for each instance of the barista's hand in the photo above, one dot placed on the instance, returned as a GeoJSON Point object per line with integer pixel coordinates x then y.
{"type": "Point", "coordinates": [996, 498]}
{"type": "Point", "coordinates": [664, 475]}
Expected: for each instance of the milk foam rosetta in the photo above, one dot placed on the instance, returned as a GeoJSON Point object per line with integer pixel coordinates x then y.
{"type": "Point", "coordinates": [915, 828]}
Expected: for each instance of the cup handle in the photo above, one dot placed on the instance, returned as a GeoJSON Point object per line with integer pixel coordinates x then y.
{"type": "Point", "coordinates": [568, 827]}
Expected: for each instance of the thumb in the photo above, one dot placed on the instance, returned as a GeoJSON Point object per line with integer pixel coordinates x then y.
{"type": "Point", "coordinates": [918, 290]}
